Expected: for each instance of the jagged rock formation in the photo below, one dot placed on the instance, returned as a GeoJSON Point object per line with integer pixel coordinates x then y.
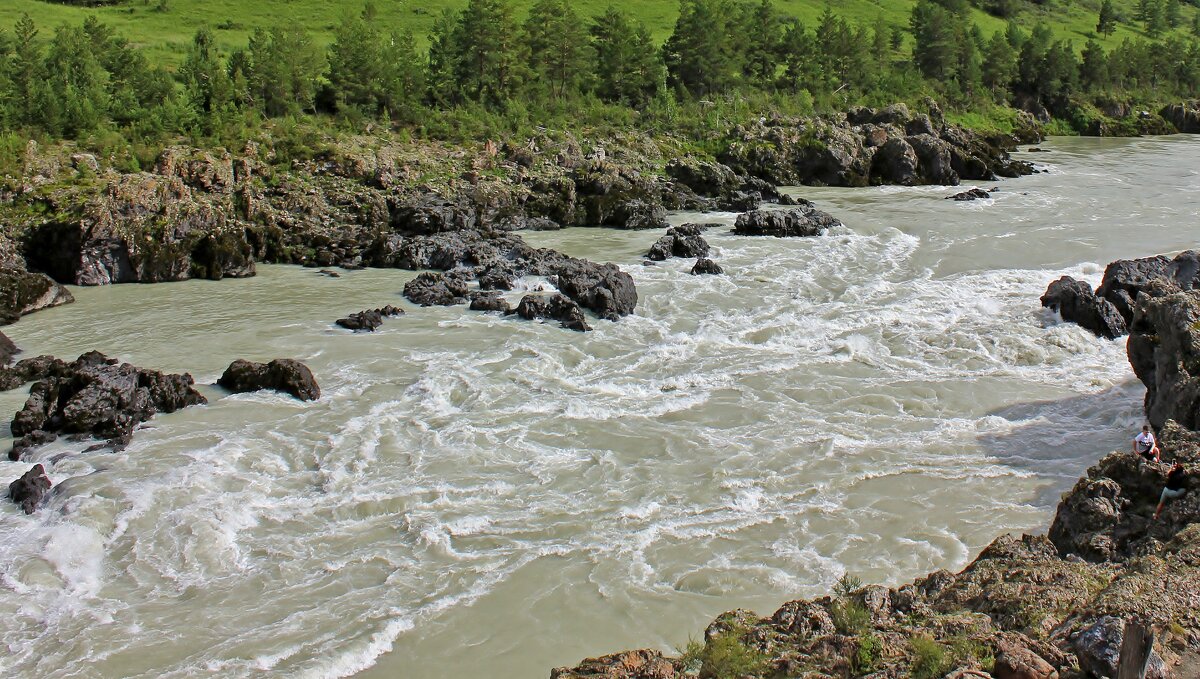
{"type": "Point", "coordinates": [1109, 311]}
{"type": "Point", "coordinates": [28, 491]}
{"type": "Point", "coordinates": [706, 266]}
{"type": "Point", "coordinates": [96, 396]}
{"type": "Point", "coordinates": [282, 374]}
{"type": "Point", "coordinates": [1164, 350]}
{"type": "Point", "coordinates": [554, 307]}
{"type": "Point", "coordinates": [803, 220]}
{"type": "Point", "coordinates": [680, 241]}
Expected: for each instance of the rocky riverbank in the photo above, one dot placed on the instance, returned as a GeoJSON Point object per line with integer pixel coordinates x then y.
{"type": "Point", "coordinates": [1029, 607]}
{"type": "Point", "coordinates": [72, 218]}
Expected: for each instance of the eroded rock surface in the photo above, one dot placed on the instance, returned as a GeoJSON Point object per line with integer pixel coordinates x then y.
{"type": "Point", "coordinates": [282, 374]}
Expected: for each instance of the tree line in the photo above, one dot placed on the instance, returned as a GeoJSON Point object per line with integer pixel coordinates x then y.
{"type": "Point", "coordinates": [79, 79]}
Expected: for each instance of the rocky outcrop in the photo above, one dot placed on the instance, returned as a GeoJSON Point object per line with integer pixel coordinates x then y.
{"type": "Point", "coordinates": [28, 491]}
{"type": "Point", "coordinates": [644, 664]}
{"type": "Point", "coordinates": [99, 396]}
{"type": "Point", "coordinates": [706, 266]}
{"type": "Point", "coordinates": [369, 320]}
{"type": "Point", "coordinates": [1099, 649]}
{"type": "Point", "coordinates": [680, 241]}
{"type": "Point", "coordinates": [1164, 350]}
{"type": "Point", "coordinates": [602, 288]}
{"type": "Point", "coordinates": [8, 349]}
{"type": "Point", "coordinates": [30, 370]}
{"type": "Point", "coordinates": [553, 307]}
{"type": "Point", "coordinates": [434, 288]}
{"type": "Point", "coordinates": [489, 300]}
{"type": "Point", "coordinates": [1185, 116]}
{"type": "Point", "coordinates": [282, 374]}
{"type": "Point", "coordinates": [22, 292]}
{"type": "Point", "coordinates": [868, 146]}
{"type": "Point", "coordinates": [804, 220]}
{"type": "Point", "coordinates": [1076, 303]}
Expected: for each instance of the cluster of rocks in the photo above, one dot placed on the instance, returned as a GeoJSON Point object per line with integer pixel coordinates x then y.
{"type": "Point", "coordinates": [369, 320]}
{"type": "Point", "coordinates": [1028, 607]}
{"type": "Point", "coordinates": [970, 194]}
{"type": "Point", "coordinates": [1109, 311]}
{"type": "Point", "coordinates": [867, 147]}
{"type": "Point", "coordinates": [686, 241]}
{"type": "Point", "coordinates": [99, 397]}
{"type": "Point", "coordinates": [804, 220]}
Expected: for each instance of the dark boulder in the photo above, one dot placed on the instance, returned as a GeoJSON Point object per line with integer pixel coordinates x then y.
{"type": "Point", "coordinates": [1125, 281]}
{"type": "Point", "coordinates": [29, 490]}
{"type": "Point", "coordinates": [936, 161]}
{"type": "Point", "coordinates": [554, 307]}
{"type": "Point", "coordinates": [970, 194]}
{"type": "Point", "coordinates": [98, 396]}
{"type": "Point", "coordinates": [283, 374]}
{"type": "Point", "coordinates": [22, 292]}
{"type": "Point", "coordinates": [895, 162]}
{"type": "Point", "coordinates": [1099, 648]}
{"type": "Point", "coordinates": [680, 241]}
{"type": "Point", "coordinates": [1076, 303]}
{"type": "Point", "coordinates": [1164, 350]}
{"type": "Point", "coordinates": [436, 289]}
{"type": "Point", "coordinates": [369, 320]}
{"type": "Point", "coordinates": [1185, 116]}
{"type": "Point", "coordinates": [803, 220]}
{"type": "Point", "coordinates": [30, 370]}
{"type": "Point", "coordinates": [706, 266]}
{"type": "Point", "coordinates": [489, 301]}
{"type": "Point", "coordinates": [8, 349]}
{"type": "Point", "coordinates": [603, 288]}
{"type": "Point", "coordinates": [432, 214]}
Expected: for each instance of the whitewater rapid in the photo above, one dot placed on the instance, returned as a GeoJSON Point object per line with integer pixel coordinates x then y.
{"type": "Point", "coordinates": [478, 495]}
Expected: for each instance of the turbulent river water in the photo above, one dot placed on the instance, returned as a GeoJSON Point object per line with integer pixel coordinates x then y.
{"type": "Point", "coordinates": [481, 496]}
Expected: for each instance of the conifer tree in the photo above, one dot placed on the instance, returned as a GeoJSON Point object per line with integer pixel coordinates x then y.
{"type": "Point", "coordinates": [284, 68]}
{"type": "Point", "coordinates": [442, 86]}
{"type": "Point", "coordinates": [558, 47]}
{"type": "Point", "coordinates": [628, 69]}
{"type": "Point", "coordinates": [205, 81]}
{"type": "Point", "coordinates": [1093, 68]}
{"type": "Point", "coordinates": [74, 97]}
{"type": "Point", "coordinates": [1107, 21]}
{"type": "Point", "coordinates": [26, 71]}
{"type": "Point", "coordinates": [1172, 13]}
{"type": "Point", "coordinates": [701, 55]}
{"type": "Point", "coordinates": [761, 51]}
{"type": "Point", "coordinates": [999, 63]}
{"type": "Point", "coordinates": [356, 61]}
{"type": "Point", "coordinates": [487, 64]}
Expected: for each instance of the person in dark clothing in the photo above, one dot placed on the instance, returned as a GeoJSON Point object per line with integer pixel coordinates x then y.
{"type": "Point", "coordinates": [1175, 487]}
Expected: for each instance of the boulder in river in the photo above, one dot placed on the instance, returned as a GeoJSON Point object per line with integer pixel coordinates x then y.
{"type": "Point", "coordinates": [680, 241]}
{"type": "Point", "coordinates": [282, 374]}
{"type": "Point", "coordinates": [99, 396]}
{"type": "Point", "coordinates": [1164, 350]}
{"type": "Point", "coordinates": [1076, 303]}
{"type": "Point", "coordinates": [23, 292]}
{"type": "Point", "coordinates": [369, 320]}
{"type": "Point", "coordinates": [8, 349]}
{"type": "Point", "coordinates": [802, 220]}
{"type": "Point", "coordinates": [554, 307]}
{"type": "Point", "coordinates": [434, 288]}
{"type": "Point", "coordinates": [489, 300]}
{"type": "Point", "coordinates": [29, 490]}
{"type": "Point", "coordinates": [970, 194]}
{"type": "Point", "coordinates": [603, 288]}
{"type": "Point", "coordinates": [705, 265]}
{"type": "Point", "coordinates": [29, 442]}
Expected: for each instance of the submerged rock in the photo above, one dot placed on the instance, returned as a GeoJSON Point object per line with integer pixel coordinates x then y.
{"type": "Point", "coordinates": [803, 220]}
{"type": "Point", "coordinates": [369, 320]}
{"type": "Point", "coordinates": [282, 374]}
{"type": "Point", "coordinates": [29, 490]}
{"type": "Point", "coordinates": [970, 194]}
{"type": "Point", "coordinates": [489, 301]}
{"type": "Point", "coordinates": [29, 442]}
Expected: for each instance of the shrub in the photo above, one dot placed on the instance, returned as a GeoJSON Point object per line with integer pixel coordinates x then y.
{"type": "Point", "coordinates": [866, 656]}
{"type": "Point", "coordinates": [929, 658]}
{"type": "Point", "coordinates": [726, 657]}
{"type": "Point", "coordinates": [850, 617]}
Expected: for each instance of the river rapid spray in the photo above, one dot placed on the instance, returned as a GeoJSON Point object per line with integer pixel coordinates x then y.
{"type": "Point", "coordinates": [492, 497]}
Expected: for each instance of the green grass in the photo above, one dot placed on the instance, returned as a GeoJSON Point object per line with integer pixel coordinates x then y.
{"type": "Point", "coordinates": [165, 34]}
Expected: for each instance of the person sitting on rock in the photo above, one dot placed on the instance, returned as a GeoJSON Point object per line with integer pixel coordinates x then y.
{"type": "Point", "coordinates": [1145, 445]}
{"type": "Point", "coordinates": [1174, 489]}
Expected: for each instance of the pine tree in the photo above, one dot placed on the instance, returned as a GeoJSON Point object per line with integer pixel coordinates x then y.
{"type": "Point", "coordinates": [628, 69]}
{"type": "Point", "coordinates": [487, 65]}
{"type": "Point", "coordinates": [1093, 68]}
{"type": "Point", "coordinates": [761, 53]}
{"type": "Point", "coordinates": [1156, 18]}
{"type": "Point", "coordinates": [205, 80]}
{"type": "Point", "coordinates": [1173, 13]}
{"type": "Point", "coordinates": [284, 68]}
{"type": "Point", "coordinates": [74, 97]}
{"type": "Point", "coordinates": [802, 66]}
{"type": "Point", "coordinates": [403, 74]}
{"type": "Point", "coordinates": [26, 72]}
{"type": "Point", "coordinates": [1107, 21]}
{"type": "Point", "coordinates": [557, 44]}
{"type": "Point", "coordinates": [701, 55]}
{"type": "Point", "coordinates": [441, 83]}
{"type": "Point", "coordinates": [999, 63]}
{"type": "Point", "coordinates": [1196, 25]}
{"type": "Point", "coordinates": [935, 30]}
{"type": "Point", "coordinates": [356, 61]}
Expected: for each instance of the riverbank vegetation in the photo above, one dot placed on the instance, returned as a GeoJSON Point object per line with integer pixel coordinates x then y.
{"type": "Point", "coordinates": [483, 73]}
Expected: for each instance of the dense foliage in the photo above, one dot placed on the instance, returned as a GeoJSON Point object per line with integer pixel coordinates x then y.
{"type": "Point", "coordinates": [78, 80]}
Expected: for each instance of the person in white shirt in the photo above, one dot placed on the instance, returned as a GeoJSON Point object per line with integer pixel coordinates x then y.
{"type": "Point", "coordinates": [1145, 445]}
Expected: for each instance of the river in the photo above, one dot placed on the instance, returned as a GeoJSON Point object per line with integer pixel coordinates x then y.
{"type": "Point", "coordinates": [476, 495]}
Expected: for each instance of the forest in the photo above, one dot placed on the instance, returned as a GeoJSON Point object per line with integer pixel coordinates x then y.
{"type": "Point", "coordinates": [483, 73]}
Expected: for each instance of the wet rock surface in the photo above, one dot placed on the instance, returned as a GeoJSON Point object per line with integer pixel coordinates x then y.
{"type": "Point", "coordinates": [22, 292]}
{"type": "Point", "coordinates": [802, 220]}
{"type": "Point", "coordinates": [98, 396]}
{"type": "Point", "coordinates": [553, 307]}
{"type": "Point", "coordinates": [970, 194]}
{"type": "Point", "coordinates": [1076, 303]}
{"type": "Point", "coordinates": [436, 289]}
{"type": "Point", "coordinates": [29, 490]}
{"type": "Point", "coordinates": [369, 320]}
{"type": "Point", "coordinates": [282, 374]}
{"type": "Point", "coordinates": [679, 241]}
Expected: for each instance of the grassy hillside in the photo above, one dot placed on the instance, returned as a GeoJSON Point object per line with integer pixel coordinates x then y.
{"type": "Point", "coordinates": [164, 27]}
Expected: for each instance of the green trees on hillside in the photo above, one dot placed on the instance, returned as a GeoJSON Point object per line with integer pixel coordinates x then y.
{"type": "Point", "coordinates": [85, 78]}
